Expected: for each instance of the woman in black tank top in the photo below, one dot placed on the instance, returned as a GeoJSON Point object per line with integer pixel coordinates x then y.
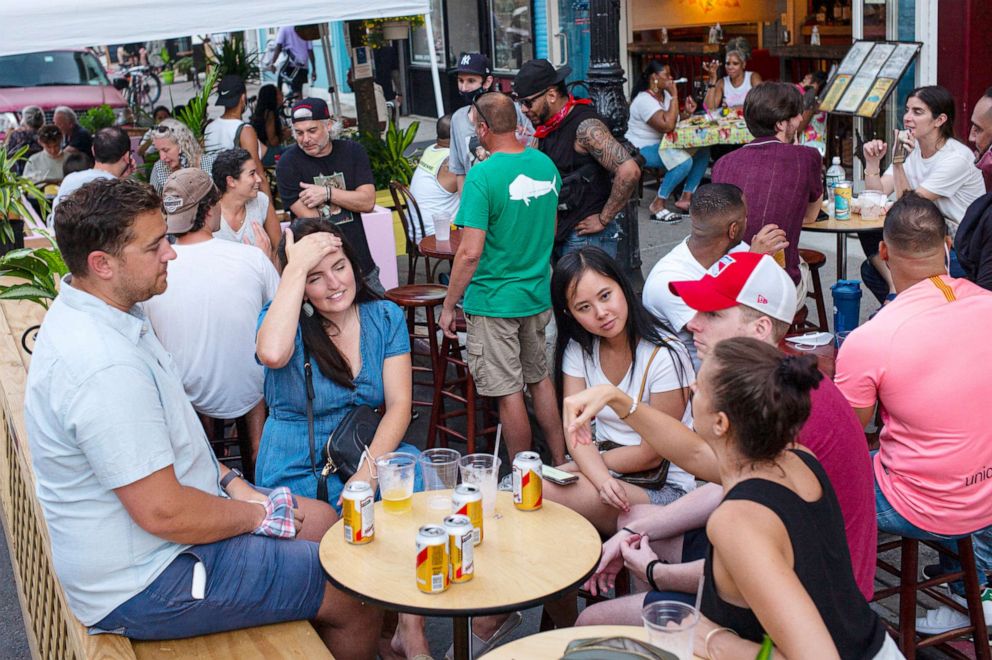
{"type": "Point", "coordinates": [779, 562]}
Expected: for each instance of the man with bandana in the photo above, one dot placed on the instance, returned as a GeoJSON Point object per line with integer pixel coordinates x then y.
{"type": "Point", "coordinates": [973, 240]}
{"type": "Point", "coordinates": [578, 140]}
{"type": "Point", "coordinates": [475, 78]}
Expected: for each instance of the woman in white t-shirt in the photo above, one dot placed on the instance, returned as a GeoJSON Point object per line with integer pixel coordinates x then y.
{"type": "Point", "coordinates": [246, 215]}
{"type": "Point", "coordinates": [654, 111]}
{"type": "Point", "coordinates": [732, 89]}
{"type": "Point", "coordinates": [606, 336]}
{"type": "Point", "coordinates": [929, 161]}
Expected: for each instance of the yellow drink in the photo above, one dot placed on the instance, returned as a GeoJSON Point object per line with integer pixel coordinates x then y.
{"type": "Point", "coordinates": [397, 500]}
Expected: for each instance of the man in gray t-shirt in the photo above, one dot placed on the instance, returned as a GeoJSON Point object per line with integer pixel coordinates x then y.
{"type": "Point", "coordinates": [474, 79]}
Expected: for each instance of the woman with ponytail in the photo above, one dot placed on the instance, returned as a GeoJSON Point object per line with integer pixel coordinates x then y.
{"type": "Point", "coordinates": [778, 561]}
{"type": "Point", "coordinates": [654, 111]}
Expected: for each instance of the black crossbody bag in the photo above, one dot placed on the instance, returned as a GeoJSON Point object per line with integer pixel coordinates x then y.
{"type": "Point", "coordinates": [345, 446]}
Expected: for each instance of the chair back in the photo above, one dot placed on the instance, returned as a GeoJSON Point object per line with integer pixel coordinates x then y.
{"type": "Point", "coordinates": [404, 200]}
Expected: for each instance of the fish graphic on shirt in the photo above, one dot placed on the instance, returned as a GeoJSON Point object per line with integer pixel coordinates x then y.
{"type": "Point", "coordinates": [525, 189]}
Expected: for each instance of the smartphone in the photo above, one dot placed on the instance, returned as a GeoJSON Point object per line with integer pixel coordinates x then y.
{"type": "Point", "coordinates": [556, 476]}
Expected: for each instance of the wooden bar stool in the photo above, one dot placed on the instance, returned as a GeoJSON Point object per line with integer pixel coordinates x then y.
{"type": "Point", "coordinates": [412, 297]}
{"type": "Point", "coordinates": [909, 584]}
{"type": "Point", "coordinates": [224, 434]}
{"type": "Point", "coordinates": [815, 261]}
{"type": "Point", "coordinates": [458, 387]}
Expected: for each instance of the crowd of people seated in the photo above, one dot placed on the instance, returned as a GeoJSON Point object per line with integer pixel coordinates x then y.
{"type": "Point", "coordinates": [704, 453]}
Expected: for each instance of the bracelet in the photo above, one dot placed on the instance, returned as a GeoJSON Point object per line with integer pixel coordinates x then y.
{"type": "Point", "coordinates": [649, 573]}
{"type": "Point", "coordinates": [327, 189]}
{"type": "Point", "coordinates": [709, 635]}
{"type": "Point", "coordinates": [631, 411]}
{"type": "Point", "coordinates": [629, 530]}
{"type": "Point", "coordinates": [875, 173]}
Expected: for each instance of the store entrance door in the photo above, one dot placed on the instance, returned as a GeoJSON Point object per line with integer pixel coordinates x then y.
{"type": "Point", "coordinates": [570, 38]}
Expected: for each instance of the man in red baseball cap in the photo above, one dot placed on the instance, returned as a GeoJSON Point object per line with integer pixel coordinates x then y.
{"type": "Point", "coordinates": [750, 296]}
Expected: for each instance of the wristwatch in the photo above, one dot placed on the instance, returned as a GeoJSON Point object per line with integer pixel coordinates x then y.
{"type": "Point", "coordinates": [234, 473]}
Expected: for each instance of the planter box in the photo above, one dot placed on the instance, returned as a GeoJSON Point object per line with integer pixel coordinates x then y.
{"type": "Point", "coordinates": [383, 198]}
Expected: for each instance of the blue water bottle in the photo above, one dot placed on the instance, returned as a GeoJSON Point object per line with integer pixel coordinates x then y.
{"type": "Point", "coordinates": [847, 305]}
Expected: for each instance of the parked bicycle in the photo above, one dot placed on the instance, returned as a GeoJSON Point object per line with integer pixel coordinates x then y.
{"type": "Point", "coordinates": [142, 88]}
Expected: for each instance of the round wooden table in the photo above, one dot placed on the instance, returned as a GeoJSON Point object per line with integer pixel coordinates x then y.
{"type": "Point", "coordinates": [842, 228]}
{"type": "Point", "coordinates": [526, 558]}
{"type": "Point", "coordinates": [551, 645]}
{"type": "Point", "coordinates": [429, 246]}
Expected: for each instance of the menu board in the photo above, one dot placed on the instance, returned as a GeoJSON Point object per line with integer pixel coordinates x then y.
{"type": "Point", "coordinates": [867, 76]}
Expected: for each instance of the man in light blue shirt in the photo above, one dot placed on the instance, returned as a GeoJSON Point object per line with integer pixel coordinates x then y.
{"type": "Point", "coordinates": [136, 503]}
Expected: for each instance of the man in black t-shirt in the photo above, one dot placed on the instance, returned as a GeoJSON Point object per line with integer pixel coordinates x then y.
{"type": "Point", "coordinates": [322, 177]}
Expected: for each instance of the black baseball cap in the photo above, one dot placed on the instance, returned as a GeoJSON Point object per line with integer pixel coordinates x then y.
{"type": "Point", "coordinates": [536, 76]}
{"type": "Point", "coordinates": [476, 63]}
{"type": "Point", "coordinates": [229, 90]}
{"type": "Point", "coordinates": [310, 109]}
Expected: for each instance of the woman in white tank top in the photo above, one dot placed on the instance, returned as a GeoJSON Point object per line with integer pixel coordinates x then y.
{"type": "Point", "coordinates": [732, 89]}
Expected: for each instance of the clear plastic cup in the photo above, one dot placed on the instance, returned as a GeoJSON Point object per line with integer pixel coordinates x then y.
{"type": "Point", "coordinates": [670, 626]}
{"type": "Point", "coordinates": [483, 471]}
{"type": "Point", "coordinates": [872, 204]}
{"type": "Point", "coordinates": [442, 226]}
{"type": "Point", "coordinates": [396, 471]}
{"type": "Point", "coordinates": [439, 468]}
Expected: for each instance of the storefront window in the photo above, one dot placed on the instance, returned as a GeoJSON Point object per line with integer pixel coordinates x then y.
{"type": "Point", "coordinates": [418, 41]}
{"type": "Point", "coordinates": [463, 29]}
{"type": "Point", "coordinates": [512, 34]}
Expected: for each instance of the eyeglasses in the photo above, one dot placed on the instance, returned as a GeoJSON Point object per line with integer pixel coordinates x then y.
{"type": "Point", "coordinates": [475, 104]}
{"type": "Point", "coordinates": [531, 100]}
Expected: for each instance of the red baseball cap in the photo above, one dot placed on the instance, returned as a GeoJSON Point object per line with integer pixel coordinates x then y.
{"type": "Point", "coordinates": [743, 278]}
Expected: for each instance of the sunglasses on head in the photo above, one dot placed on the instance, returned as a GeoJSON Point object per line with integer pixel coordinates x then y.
{"type": "Point", "coordinates": [475, 104]}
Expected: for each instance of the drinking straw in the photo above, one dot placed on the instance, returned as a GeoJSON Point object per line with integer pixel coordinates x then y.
{"type": "Point", "coordinates": [499, 433]}
{"type": "Point", "coordinates": [699, 592]}
{"type": "Point", "coordinates": [707, 111]}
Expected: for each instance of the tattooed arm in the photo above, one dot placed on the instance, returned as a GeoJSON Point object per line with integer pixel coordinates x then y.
{"type": "Point", "coordinates": [595, 139]}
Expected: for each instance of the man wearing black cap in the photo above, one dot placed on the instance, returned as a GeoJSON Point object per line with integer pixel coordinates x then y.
{"type": "Point", "coordinates": [322, 177]}
{"type": "Point", "coordinates": [231, 131]}
{"type": "Point", "coordinates": [577, 139]}
{"type": "Point", "coordinates": [474, 79]}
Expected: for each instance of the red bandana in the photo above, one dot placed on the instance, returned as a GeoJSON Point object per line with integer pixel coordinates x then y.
{"type": "Point", "coordinates": [549, 126]}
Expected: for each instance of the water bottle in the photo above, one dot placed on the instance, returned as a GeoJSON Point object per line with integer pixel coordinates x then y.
{"type": "Point", "coordinates": [847, 305]}
{"type": "Point", "coordinates": [835, 174]}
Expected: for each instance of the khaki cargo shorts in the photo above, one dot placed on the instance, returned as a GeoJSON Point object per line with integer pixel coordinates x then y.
{"type": "Point", "coordinates": [506, 354]}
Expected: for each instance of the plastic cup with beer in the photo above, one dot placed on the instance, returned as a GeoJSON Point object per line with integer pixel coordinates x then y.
{"type": "Point", "coordinates": [483, 471]}
{"type": "Point", "coordinates": [439, 468]}
{"type": "Point", "coordinates": [442, 226]}
{"type": "Point", "coordinates": [670, 626]}
{"type": "Point", "coordinates": [395, 472]}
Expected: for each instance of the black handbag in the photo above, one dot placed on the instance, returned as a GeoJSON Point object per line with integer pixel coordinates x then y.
{"type": "Point", "coordinates": [656, 477]}
{"type": "Point", "coordinates": [345, 446]}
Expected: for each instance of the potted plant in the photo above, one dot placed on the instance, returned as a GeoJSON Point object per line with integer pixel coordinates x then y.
{"type": "Point", "coordinates": [234, 58]}
{"type": "Point", "coordinates": [184, 67]}
{"type": "Point", "coordinates": [14, 191]}
{"type": "Point", "coordinates": [380, 31]}
{"type": "Point", "coordinates": [166, 73]}
{"type": "Point", "coordinates": [36, 273]}
{"type": "Point", "coordinates": [102, 116]}
{"type": "Point", "coordinates": [389, 158]}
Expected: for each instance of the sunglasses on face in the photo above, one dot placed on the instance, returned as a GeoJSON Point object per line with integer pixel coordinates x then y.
{"type": "Point", "coordinates": [531, 100]}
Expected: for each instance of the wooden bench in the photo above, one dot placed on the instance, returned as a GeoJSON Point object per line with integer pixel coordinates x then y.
{"type": "Point", "coordinates": [52, 630]}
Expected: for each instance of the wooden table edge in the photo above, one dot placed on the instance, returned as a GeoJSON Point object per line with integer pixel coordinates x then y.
{"type": "Point", "coordinates": [454, 613]}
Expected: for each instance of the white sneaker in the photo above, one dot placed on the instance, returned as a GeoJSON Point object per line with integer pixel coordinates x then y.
{"type": "Point", "coordinates": [944, 618]}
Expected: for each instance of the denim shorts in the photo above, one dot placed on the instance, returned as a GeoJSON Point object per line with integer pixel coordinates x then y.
{"type": "Point", "coordinates": [606, 240]}
{"type": "Point", "coordinates": [251, 581]}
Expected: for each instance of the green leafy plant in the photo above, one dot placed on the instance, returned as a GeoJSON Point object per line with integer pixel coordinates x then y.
{"type": "Point", "coordinates": [14, 190]}
{"type": "Point", "coordinates": [374, 36]}
{"type": "Point", "coordinates": [235, 58]}
{"type": "Point", "coordinates": [194, 114]}
{"type": "Point", "coordinates": [388, 156]}
{"type": "Point", "coordinates": [183, 65]}
{"type": "Point", "coordinates": [102, 116]}
{"type": "Point", "coordinates": [39, 270]}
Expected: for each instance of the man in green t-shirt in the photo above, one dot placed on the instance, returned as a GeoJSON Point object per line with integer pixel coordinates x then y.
{"type": "Point", "coordinates": [508, 208]}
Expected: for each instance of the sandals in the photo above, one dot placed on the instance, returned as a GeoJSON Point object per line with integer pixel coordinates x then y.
{"type": "Point", "coordinates": [481, 646]}
{"type": "Point", "coordinates": [668, 217]}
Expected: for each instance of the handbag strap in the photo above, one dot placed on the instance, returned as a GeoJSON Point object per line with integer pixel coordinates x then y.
{"type": "Point", "coordinates": [308, 374]}
{"type": "Point", "coordinates": [644, 379]}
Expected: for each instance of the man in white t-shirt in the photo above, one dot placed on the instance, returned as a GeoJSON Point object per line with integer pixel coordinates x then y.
{"type": "Point", "coordinates": [719, 215]}
{"type": "Point", "coordinates": [434, 185]}
{"type": "Point", "coordinates": [207, 317]}
{"type": "Point", "coordinates": [112, 153]}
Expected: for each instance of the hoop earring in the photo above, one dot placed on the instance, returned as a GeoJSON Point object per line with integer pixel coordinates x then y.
{"type": "Point", "coordinates": [307, 309]}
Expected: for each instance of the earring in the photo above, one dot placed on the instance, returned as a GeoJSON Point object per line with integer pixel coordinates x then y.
{"type": "Point", "coordinates": [307, 309]}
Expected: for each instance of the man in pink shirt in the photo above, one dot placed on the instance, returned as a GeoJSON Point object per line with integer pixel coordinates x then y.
{"type": "Point", "coordinates": [924, 358]}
